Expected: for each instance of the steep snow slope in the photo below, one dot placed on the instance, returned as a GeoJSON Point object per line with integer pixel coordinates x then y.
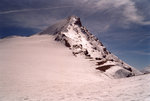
{"type": "Point", "coordinates": [71, 32]}
{"type": "Point", "coordinates": [37, 68]}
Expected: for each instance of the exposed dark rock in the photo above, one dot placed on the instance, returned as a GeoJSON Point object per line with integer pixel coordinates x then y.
{"type": "Point", "coordinates": [104, 49]}
{"type": "Point", "coordinates": [129, 69]}
{"type": "Point", "coordinates": [111, 60]}
{"type": "Point", "coordinates": [123, 73]}
{"type": "Point", "coordinates": [86, 53]}
{"type": "Point", "coordinates": [78, 22]}
{"type": "Point", "coordinates": [67, 43]}
{"type": "Point", "coordinates": [77, 52]}
{"type": "Point", "coordinates": [104, 68]}
{"type": "Point", "coordinates": [94, 48]}
{"type": "Point", "coordinates": [83, 31]}
{"type": "Point", "coordinates": [77, 46]}
{"type": "Point", "coordinates": [101, 62]}
{"type": "Point", "coordinates": [104, 56]}
{"type": "Point", "coordinates": [97, 58]}
{"type": "Point", "coordinates": [57, 38]}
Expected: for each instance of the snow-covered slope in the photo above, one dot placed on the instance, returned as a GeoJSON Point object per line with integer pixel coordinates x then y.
{"type": "Point", "coordinates": [37, 68]}
{"type": "Point", "coordinates": [73, 35]}
{"type": "Point", "coordinates": [21, 56]}
{"type": "Point", "coordinates": [146, 70]}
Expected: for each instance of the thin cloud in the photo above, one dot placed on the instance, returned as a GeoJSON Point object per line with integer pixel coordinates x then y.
{"type": "Point", "coordinates": [146, 37]}
{"type": "Point", "coordinates": [29, 10]}
{"type": "Point", "coordinates": [127, 10]}
{"type": "Point", "coordinates": [102, 14]}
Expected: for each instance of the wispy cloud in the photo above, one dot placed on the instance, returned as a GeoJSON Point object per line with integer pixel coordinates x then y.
{"type": "Point", "coordinates": [146, 37]}
{"type": "Point", "coordinates": [30, 10]}
{"type": "Point", "coordinates": [127, 11]}
{"type": "Point", "coordinates": [103, 13]}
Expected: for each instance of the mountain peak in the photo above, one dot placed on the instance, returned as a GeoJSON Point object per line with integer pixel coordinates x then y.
{"type": "Point", "coordinates": [80, 41]}
{"type": "Point", "coordinates": [75, 20]}
{"type": "Point", "coordinates": [62, 25]}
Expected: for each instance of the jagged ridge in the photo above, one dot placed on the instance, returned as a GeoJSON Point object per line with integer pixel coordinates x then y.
{"type": "Point", "coordinates": [75, 36]}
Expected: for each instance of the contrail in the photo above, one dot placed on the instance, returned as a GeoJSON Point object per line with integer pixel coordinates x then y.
{"type": "Point", "coordinates": [29, 10]}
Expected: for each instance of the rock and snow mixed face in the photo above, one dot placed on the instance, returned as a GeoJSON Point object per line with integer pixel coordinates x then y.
{"type": "Point", "coordinates": [75, 36]}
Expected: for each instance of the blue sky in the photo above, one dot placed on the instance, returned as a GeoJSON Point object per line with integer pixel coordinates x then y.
{"type": "Point", "coordinates": [123, 26]}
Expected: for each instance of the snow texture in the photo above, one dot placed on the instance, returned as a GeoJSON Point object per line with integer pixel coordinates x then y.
{"type": "Point", "coordinates": [37, 68]}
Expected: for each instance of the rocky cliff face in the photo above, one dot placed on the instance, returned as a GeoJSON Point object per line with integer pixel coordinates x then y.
{"type": "Point", "coordinates": [78, 39]}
